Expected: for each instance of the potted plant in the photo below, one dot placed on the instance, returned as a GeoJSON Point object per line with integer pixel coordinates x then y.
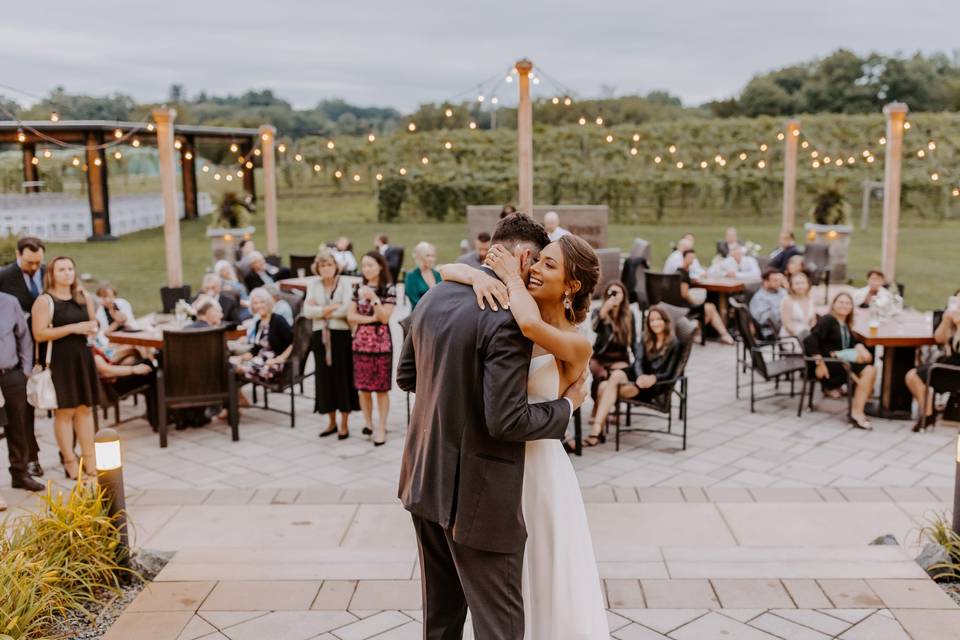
{"type": "Point", "coordinates": [831, 228]}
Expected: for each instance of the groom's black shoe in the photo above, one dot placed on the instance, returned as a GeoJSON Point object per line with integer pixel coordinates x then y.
{"type": "Point", "coordinates": [24, 481]}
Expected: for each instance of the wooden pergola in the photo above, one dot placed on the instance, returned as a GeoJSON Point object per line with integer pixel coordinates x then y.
{"type": "Point", "coordinates": [94, 134]}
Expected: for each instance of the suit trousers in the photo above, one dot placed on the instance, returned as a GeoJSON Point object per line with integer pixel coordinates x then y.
{"type": "Point", "coordinates": [19, 425]}
{"type": "Point", "coordinates": [455, 577]}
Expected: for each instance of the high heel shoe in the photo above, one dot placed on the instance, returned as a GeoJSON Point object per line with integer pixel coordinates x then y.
{"type": "Point", "coordinates": [926, 422]}
{"type": "Point", "coordinates": [68, 464]}
{"type": "Point", "coordinates": [367, 431]}
{"type": "Point", "coordinates": [865, 424]}
{"type": "Point", "coordinates": [381, 442]}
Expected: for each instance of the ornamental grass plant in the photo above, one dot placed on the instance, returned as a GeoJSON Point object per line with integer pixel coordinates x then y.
{"type": "Point", "coordinates": [940, 531]}
{"type": "Point", "coordinates": [56, 561]}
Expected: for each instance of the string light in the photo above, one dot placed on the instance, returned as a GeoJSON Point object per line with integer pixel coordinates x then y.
{"type": "Point", "coordinates": [473, 125]}
{"type": "Point", "coordinates": [34, 160]}
{"type": "Point", "coordinates": [177, 144]}
{"type": "Point", "coordinates": [839, 162]}
{"type": "Point", "coordinates": [508, 79]}
{"type": "Point", "coordinates": [371, 138]}
{"type": "Point", "coordinates": [931, 145]}
{"type": "Point", "coordinates": [763, 147]}
{"type": "Point", "coordinates": [47, 153]}
{"type": "Point", "coordinates": [216, 176]}
{"type": "Point", "coordinates": [188, 155]}
{"type": "Point", "coordinates": [636, 137]}
{"type": "Point", "coordinates": [870, 159]}
{"type": "Point", "coordinates": [717, 158]}
{"type": "Point", "coordinates": [599, 121]}
{"type": "Point", "coordinates": [956, 192]}
{"type": "Point", "coordinates": [480, 98]}
{"type": "Point", "coordinates": [448, 113]}
{"type": "Point", "coordinates": [234, 148]}
{"type": "Point", "coordinates": [672, 148]}
{"type": "Point", "coordinates": [240, 173]}
{"type": "Point", "coordinates": [248, 165]}
{"type": "Point", "coordinates": [815, 164]}
{"type": "Point", "coordinates": [151, 126]}
{"type": "Point", "coordinates": [356, 177]}
{"type": "Point", "coordinates": [704, 164]}
{"type": "Point", "coordinates": [136, 142]}
{"type": "Point", "coordinates": [609, 138]}
{"type": "Point", "coordinates": [379, 177]}
{"type": "Point", "coordinates": [634, 151]}
{"type": "Point", "coordinates": [780, 136]}
{"type": "Point", "coordinates": [536, 81]}
{"type": "Point", "coordinates": [555, 100]}
{"type": "Point", "coordinates": [298, 157]}
{"type": "Point", "coordinates": [494, 99]}
{"type": "Point", "coordinates": [97, 162]}
{"type": "Point", "coordinates": [582, 122]}
{"type": "Point", "coordinates": [282, 148]}
{"type": "Point", "coordinates": [804, 144]}
{"type": "Point", "coordinates": [229, 177]}
{"type": "Point", "coordinates": [761, 164]}
{"type": "Point", "coordinates": [117, 133]}
{"type": "Point", "coordinates": [866, 153]}
{"type": "Point", "coordinates": [448, 145]}
{"type": "Point", "coordinates": [411, 127]}
{"type": "Point", "coordinates": [424, 160]}
{"type": "Point", "coordinates": [826, 159]}
{"type": "Point", "coordinates": [331, 144]}
{"type": "Point", "coordinates": [921, 153]}
{"type": "Point", "coordinates": [742, 156]}
{"type": "Point", "coordinates": [256, 152]}
{"type": "Point", "coordinates": [657, 159]}
{"type": "Point", "coordinates": [21, 137]}
{"type": "Point", "coordinates": [906, 125]}
{"type": "Point", "coordinates": [206, 169]}
{"type": "Point", "coordinates": [403, 171]}
{"type": "Point", "coordinates": [679, 165]}
{"type": "Point", "coordinates": [934, 176]}
{"type": "Point", "coordinates": [796, 132]}
{"type": "Point", "coordinates": [338, 174]}
{"type": "Point", "coordinates": [317, 168]}
{"type": "Point", "coordinates": [882, 140]}
{"type": "Point", "coordinates": [814, 154]}
{"type": "Point", "coordinates": [567, 102]}
{"type": "Point", "coordinates": [75, 162]}
{"type": "Point", "coordinates": [54, 116]}
{"type": "Point", "coordinates": [851, 160]}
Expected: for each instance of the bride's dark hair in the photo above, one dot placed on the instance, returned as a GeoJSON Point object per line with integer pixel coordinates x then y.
{"type": "Point", "coordinates": [580, 264]}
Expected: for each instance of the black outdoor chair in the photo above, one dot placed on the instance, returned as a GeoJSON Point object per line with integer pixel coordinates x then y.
{"type": "Point", "coordinates": [293, 372]}
{"type": "Point", "coordinates": [810, 382]}
{"type": "Point", "coordinates": [661, 405]}
{"type": "Point", "coordinates": [816, 262]}
{"type": "Point", "coordinates": [947, 378]}
{"type": "Point", "coordinates": [298, 262]}
{"type": "Point", "coordinates": [273, 260]}
{"type": "Point", "coordinates": [664, 288]}
{"type": "Point", "coordinates": [765, 358]}
{"type": "Point", "coordinates": [111, 397]}
{"type": "Point", "coordinates": [196, 373]}
{"type": "Point", "coordinates": [170, 295]}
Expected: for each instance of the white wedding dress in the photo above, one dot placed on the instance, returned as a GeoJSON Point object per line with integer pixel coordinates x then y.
{"type": "Point", "coordinates": [562, 598]}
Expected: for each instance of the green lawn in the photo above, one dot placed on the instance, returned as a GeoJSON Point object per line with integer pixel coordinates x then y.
{"type": "Point", "coordinates": [135, 263]}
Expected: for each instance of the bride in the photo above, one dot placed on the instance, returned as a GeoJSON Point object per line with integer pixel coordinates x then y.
{"type": "Point", "coordinates": [561, 587]}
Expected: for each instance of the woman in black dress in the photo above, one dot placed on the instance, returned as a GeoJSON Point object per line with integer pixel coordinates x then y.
{"type": "Point", "coordinates": [658, 362]}
{"type": "Point", "coordinates": [613, 322]}
{"type": "Point", "coordinates": [64, 319]}
{"type": "Point", "coordinates": [327, 304]}
{"type": "Point", "coordinates": [833, 337]}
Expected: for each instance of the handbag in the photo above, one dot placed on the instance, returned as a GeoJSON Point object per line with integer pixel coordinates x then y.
{"type": "Point", "coordinates": [41, 393]}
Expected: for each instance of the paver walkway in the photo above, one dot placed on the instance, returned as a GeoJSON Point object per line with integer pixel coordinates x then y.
{"type": "Point", "coordinates": [758, 530]}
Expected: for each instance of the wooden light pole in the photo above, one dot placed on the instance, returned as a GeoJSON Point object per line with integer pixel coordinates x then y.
{"type": "Point", "coordinates": [524, 139]}
{"type": "Point", "coordinates": [792, 134]}
{"type": "Point", "coordinates": [164, 117]}
{"type": "Point", "coordinates": [896, 113]}
{"type": "Point", "coordinates": [268, 159]}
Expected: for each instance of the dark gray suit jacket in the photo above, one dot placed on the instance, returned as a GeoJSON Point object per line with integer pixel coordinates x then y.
{"type": "Point", "coordinates": [463, 458]}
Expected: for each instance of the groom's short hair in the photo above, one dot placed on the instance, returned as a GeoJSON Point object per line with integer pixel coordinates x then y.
{"type": "Point", "coordinates": [517, 228]}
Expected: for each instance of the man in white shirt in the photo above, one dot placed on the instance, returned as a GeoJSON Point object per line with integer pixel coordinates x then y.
{"type": "Point", "coordinates": [675, 260]}
{"type": "Point", "coordinates": [738, 265]}
{"type": "Point", "coordinates": [551, 222]}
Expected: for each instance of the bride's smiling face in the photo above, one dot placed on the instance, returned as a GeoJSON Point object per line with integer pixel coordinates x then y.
{"type": "Point", "coordinates": [546, 281]}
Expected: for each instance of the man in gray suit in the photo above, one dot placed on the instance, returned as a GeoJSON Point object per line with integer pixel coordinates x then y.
{"type": "Point", "coordinates": [462, 471]}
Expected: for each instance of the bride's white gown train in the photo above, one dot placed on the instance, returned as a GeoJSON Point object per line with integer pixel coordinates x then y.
{"type": "Point", "coordinates": [562, 598]}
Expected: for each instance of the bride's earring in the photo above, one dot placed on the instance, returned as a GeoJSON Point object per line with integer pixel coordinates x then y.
{"type": "Point", "coordinates": [566, 301]}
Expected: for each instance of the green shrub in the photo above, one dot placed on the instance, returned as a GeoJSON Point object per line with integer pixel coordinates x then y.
{"type": "Point", "coordinates": [56, 560]}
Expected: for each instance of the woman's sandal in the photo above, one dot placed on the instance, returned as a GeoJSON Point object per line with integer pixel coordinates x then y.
{"type": "Point", "coordinates": [594, 439]}
{"type": "Point", "coordinates": [865, 425]}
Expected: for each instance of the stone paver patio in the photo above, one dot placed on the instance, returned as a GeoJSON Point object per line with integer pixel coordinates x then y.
{"type": "Point", "coordinates": [758, 530]}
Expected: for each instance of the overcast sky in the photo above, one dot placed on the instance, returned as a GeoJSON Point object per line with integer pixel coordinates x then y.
{"type": "Point", "coordinates": [401, 54]}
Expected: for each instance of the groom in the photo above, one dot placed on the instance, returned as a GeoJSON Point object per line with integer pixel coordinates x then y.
{"type": "Point", "coordinates": [462, 471]}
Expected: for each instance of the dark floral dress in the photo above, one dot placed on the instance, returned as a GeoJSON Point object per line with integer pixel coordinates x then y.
{"type": "Point", "coordinates": [373, 346]}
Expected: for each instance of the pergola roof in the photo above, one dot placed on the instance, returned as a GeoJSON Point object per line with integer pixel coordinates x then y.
{"type": "Point", "coordinates": [76, 130]}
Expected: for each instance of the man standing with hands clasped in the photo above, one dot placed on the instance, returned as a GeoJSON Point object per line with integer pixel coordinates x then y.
{"type": "Point", "coordinates": [23, 280]}
{"type": "Point", "coordinates": [16, 359]}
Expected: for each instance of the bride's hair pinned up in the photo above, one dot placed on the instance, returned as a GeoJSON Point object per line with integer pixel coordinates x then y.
{"type": "Point", "coordinates": [581, 265]}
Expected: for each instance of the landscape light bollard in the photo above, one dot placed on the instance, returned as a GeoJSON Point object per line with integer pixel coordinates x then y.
{"type": "Point", "coordinates": [956, 493]}
{"type": "Point", "coordinates": [110, 478]}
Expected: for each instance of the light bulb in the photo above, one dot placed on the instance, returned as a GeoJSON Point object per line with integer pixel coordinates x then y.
{"type": "Point", "coordinates": [46, 153]}
{"type": "Point", "coordinates": [403, 171]}
{"type": "Point", "coordinates": [135, 142]}
{"type": "Point", "coordinates": [567, 102]}
{"type": "Point", "coordinates": [338, 174]}
{"type": "Point", "coordinates": [672, 148]}
{"type": "Point", "coordinates": [256, 152]}
{"type": "Point", "coordinates": [582, 122]}
{"type": "Point", "coordinates": [97, 162]}
{"type": "Point", "coordinates": [815, 164]}
{"type": "Point", "coordinates": [609, 138]}
{"type": "Point", "coordinates": [117, 133]}
{"type": "Point", "coordinates": [717, 158]}
{"type": "Point", "coordinates": [205, 169]}
{"type": "Point", "coordinates": [956, 192]}
{"type": "Point", "coordinates": [839, 162]}
{"type": "Point", "coordinates": [599, 121]}
{"type": "Point", "coordinates": [763, 147]}
{"type": "Point", "coordinates": [921, 153]}
{"type": "Point", "coordinates": [742, 156]}
{"type": "Point", "coordinates": [636, 137]}
{"type": "Point", "coordinates": [379, 177]}
{"type": "Point", "coordinates": [866, 153]}
{"type": "Point", "coordinates": [177, 144]}
{"type": "Point", "coordinates": [934, 176]}
{"type": "Point", "coordinates": [424, 160]}
{"type": "Point", "coordinates": [411, 127]}
{"type": "Point", "coordinates": [473, 125]}
{"type": "Point", "coordinates": [555, 100]}
{"type": "Point", "coordinates": [233, 148]}
{"type": "Point", "coordinates": [804, 144]}
{"type": "Point", "coordinates": [780, 136]}
{"type": "Point", "coordinates": [448, 145]}
{"type": "Point", "coordinates": [76, 162]}
{"type": "Point", "coordinates": [761, 164]}
{"type": "Point", "coordinates": [796, 132]}
{"type": "Point", "coordinates": [21, 137]}
{"type": "Point", "coordinates": [229, 177]}
{"type": "Point", "coordinates": [657, 159]}
{"type": "Point", "coordinates": [508, 79]}
{"type": "Point", "coordinates": [356, 177]}
{"type": "Point", "coordinates": [54, 116]}
{"type": "Point", "coordinates": [150, 126]}
{"type": "Point", "coordinates": [316, 168]}
{"type": "Point", "coordinates": [634, 151]}
{"type": "Point", "coordinates": [34, 160]}
{"type": "Point", "coordinates": [882, 140]}
{"type": "Point", "coordinates": [703, 164]}
{"type": "Point", "coordinates": [851, 160]}
{"type": "Point", "coordinates": [448, 113]}
{"type": "Point", "coordinates": [331, 144]}
{"type": "Point", "coordinates": [282, 148]}
{"type": "Point", "coordinates": [814, 154]}
{"type": "Point", "coordinates": [536, 81]}
{"type": "Point", "coordinates": [870, 159]}
{"type": "Point", "coordinates": [248, 165]}
{"type": "Point", "coordinates": [679, 165]}
{"type": "Point", "coordinates": [298, 157]}
{"type": "Point", "coordinates": [188, 155]}
{"type": "Point", "coordinates": [480, 98]}
{"type": "Point", "coordinates": [931, 145]}
{"type": "Point", "coordinates": [826, 159]}
{"type": "Point", "coordinates": [240, 173]}
{"type": "Point", "coordinates": [906, 125]}
{"type": "Point", "coordinates": [494, 100]}
{"type": "Point", "coordinates": [216, 176]}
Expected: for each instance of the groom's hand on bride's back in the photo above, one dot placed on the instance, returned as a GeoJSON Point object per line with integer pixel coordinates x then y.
{"type": "Point", "coordinates": [578, 391]}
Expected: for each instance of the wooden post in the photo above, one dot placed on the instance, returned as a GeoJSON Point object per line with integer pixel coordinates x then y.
{"type": "Point", "coordinates": [188, 167]}
{"type": "Point", "coordinates": [896, 113]}
{"type": "Point", "coordinates": [30, 172]}
{"type": "Point", "coordinates": [164, 118]}
{"type": "Point", "coordinates": [98, 192]}
{"type": "Point", "coordinates": [524, 139]}
{"type": "Point", "coordinates": [792, 133]}
{"type": "Point", "coordinates": [268, 159]}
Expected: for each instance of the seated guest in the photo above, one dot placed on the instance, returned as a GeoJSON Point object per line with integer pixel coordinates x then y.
{"type": "Point", "coordinates": [551, 222]}
{"type": "Point", "coordinates": [476, 257]}
{"type": "Point", "coordinates": [658, 361]}
{"type": "Point", "coordinates": [245, 248]}
{"type": "Point", "coordinates": [280, 305]}
{"type": "Point", "coordinates": [765, 304]}
{"type": "Point", "coordinates": [832, 336]}
{"type": "Point", "coordinates": [118, 379]}
{"type": "Point", "coordinates": [675, 259]}
{"type": "Point", "coordinates": [209, 313]}
{"type": "Point", "coordinates": [729, 239]}
{"type": "Point", "coordinates": [228, 279]}
{"type": "Point", "coordinates": [271, 337]}
{"type": "Point", "coordinates": [392, 254]}
{"type": "Point", "coordinates": [711, 315]}
{"type": "Point", "coordinates": [876, 289]}
{"type": "Point", "coordinates": [737, 265]}
{"type": "Point", "coordinates": [794, 265]}
{"type": "Point", "coordinates": [785, 251]}
{"type": "Point", "coordinates": [947, 334]}
{"type": "Point", "coordinates": [212, 287]}
{"type": "Point", "coordinates": [613, 323]}
{"type": "Point", "coordinates": [798, 313]}
{"type": "Point", "coordinates": [343, 254]}
{"type": "Point", "coordinates": [114, 314]}
{"type": "Point", "coordinates": [261, 272]}
{"type": "Point", "coordinates": [420, 280]}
